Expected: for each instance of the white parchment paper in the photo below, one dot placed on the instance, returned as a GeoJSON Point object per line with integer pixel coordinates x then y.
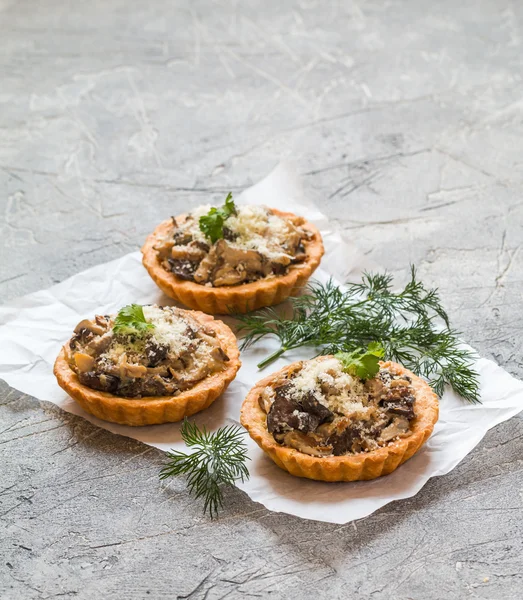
{"type": "Point", "coordinates": [33, 328]}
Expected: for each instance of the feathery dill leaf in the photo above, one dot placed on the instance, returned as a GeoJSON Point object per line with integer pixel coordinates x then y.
{"type": "Point", "coordinates": [218, 460]}
{"type": "Point", "coordinates": [411, 325]}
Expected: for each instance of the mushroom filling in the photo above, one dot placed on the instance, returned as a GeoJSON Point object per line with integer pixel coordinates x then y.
{"type": "Point", "coordinates": [322, 411]}
{"type": "Point", "coordinates": [172, 356]}
{"type": "Point", "coordinates": [256, 244]}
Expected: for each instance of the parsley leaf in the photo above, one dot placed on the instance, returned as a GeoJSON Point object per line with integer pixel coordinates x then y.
{"type": "Point", "coordinates": [362, 363]}
{"type": "Point", "coordinates": [131, 320]}
{"type": "Point", "coordinates": [212, 223]}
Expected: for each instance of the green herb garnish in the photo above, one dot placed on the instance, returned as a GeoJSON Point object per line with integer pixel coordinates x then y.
{"type": "Point", "coordinates": [212, 223]}
{"type": "Point", "coordinates": [218, 460]}
{"type": "Point", "coordinates": [131, 320]}
{"type": "Point", "coordinates": [362, 363]}
{"type": "Point", "coordinates": [411, 325]}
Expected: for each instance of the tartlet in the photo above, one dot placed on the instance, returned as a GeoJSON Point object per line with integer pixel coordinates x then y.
{"type": "Point", "coordinates": [264, 266]}
{"type": "Point", "coordinates": [170, 371]}
{"type": "Point", "coordinates": [341, 447]}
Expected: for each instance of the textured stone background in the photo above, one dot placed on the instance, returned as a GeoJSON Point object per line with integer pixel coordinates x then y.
{"type": "Point", "coordinates": [406, 121]}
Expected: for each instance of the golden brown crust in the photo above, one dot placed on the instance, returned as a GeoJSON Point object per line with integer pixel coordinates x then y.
{"type": "Point", "coordinates": [240, 298]}
{"type": "Point", "coordinates": [354, 467]}
{"type": "Point", "coordinates": [152, 410]}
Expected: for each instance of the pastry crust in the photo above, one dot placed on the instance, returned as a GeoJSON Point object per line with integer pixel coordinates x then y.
{"type": "Point", "coordinates": [152, 410]}
{"type": "Point", "coordinates": [349, 467]}
{"type": "Point", "coordinates": [240, 298]}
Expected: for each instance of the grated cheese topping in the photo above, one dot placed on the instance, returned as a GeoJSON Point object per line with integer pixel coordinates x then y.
{"type": "Point", "coordinates": [334, 388]}
{"type": "Point", "coordinates": [169, 329]}
{"type": "Point", "coordinates": [116, 350]}
{"type": "Point", "coordinates": [255, 228]}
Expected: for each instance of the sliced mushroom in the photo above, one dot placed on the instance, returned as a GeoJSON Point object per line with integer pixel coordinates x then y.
{"type": "Point", "coordinates": [310, 404]}
{"type": "Point", "coordinates": [84, 362]}
{"type": "Point", "coordinates": [90, 326]}
{"type": "Point", "coordinates": [135, 371]}
{"type": "Point", "coordinates": [329, 389]}
{"type": "Point", "coordinates": [235, 265]}
{"type": "Point", "coordinates": [306, 443]}
{"type": "Point", "coordinates": [99, 381]}
{"type": "Point", "coordinates": [164, 248]}
{"type": "Point", "coordinates": [210, 339]}
{"type": "Point", "coordinates": [286, 414]}
{"type": "Point", "coordinates": [80, 338]}
{"type": "Point", "coordinates": [279, 265]}
{"type": "Point", "coordinates": [227, 275]}
{"type": "Point", "coordinates": [292, 239]}
{"type": "Point", "coordinates": [300, 255]}
{"type": "Point", "coordinates": [155, 352]}
{"type": "Point", "coordinates": [162, 370]}
{"type": "Point", "coordinates": [100, 344]}
{"type": "Point", "coordinates": [226, 265]}
{"type": "Point", "coordinates": [404, 409]}
{"type": "Point", "coordinates": [335, 427]}
{"type": "Point", "coordinates": [398, 427]}
{"type": "Point", "coordinates": [128, 370]}
{"type": "Point", "coordinates": [399, 383]}
{"type": "Point", "coordinates": [183, 268]}
{"type": "Point", "coordinates": [205, 268]}
{"type": "Point", "coordinates": [194, 251]}
{"type": "Point", "coordinates": [181, 237]}
{"type": "Point", "coordinates": [374, 386]}
{"type": "Point", "coordinates": [158, 386]}
{"type": "Point", "coordinates": [103, 320]}
{"type": "Point", "coordinates": [266, 398]}
{"type": "Point", "coordinates": [348, 440]}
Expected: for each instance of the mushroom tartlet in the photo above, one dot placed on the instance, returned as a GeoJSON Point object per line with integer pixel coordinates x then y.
{"type": "Point", "coordinates": [147, 365]}
{"type": "Point", "coordinates": [316, 421]}
{"type": "Point", "coordinates": [232, 259]}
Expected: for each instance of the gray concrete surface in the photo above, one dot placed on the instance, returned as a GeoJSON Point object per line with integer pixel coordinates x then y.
{"type": "Point", "coordinates": [406, 121]}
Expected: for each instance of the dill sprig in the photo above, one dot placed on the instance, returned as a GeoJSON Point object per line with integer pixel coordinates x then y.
{"type": "Point", "coordinates": [218, 460]}
{"type": "Point", "coordinates": [411, 325]}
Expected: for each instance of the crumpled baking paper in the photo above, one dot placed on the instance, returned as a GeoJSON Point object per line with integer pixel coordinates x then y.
{"type": "Point", "coordinates": [33, 328]}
